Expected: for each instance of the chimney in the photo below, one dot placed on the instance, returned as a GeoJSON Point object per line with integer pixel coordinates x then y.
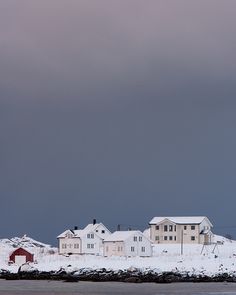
{"type": "Point", "coordinates": [118, 227]}
{"type": "Point", "coordinates": [75, 227]}
{"type": "Point", "coordinates": [94, 221]}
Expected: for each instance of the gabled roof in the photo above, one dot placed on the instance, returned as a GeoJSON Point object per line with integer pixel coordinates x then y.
{"type": "Point", "coordinates": [62, 235]}
{"type": "Point", "coordinates": [120, 236]}
{"type": "Point", "coordinates": [79, 233]}
{"type": "Point", "coordinates": [181, 219]}
{"type": "Point", "coordinates": [93, 227]}
{"type": "Point", "coordinates": [23, 250]}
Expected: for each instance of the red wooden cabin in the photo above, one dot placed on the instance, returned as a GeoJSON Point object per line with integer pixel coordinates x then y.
{"type": "Point", "coordinates": [21, 256]}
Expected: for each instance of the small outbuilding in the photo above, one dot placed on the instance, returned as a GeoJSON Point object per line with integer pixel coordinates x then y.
{"type": "Point", "coordinates": [21, 256]}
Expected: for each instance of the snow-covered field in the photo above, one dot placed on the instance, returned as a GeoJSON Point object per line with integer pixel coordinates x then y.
{"type": "Point", "coordinates": [196, 259]}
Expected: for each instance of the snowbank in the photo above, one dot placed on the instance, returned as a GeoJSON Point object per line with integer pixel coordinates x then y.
{"type": "Point", "coordinates": [196, 259]}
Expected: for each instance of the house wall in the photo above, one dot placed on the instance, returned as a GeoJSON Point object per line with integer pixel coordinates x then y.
{"type": "Point", "coordinates": [69, 245]}
{"type": "Point", "coordinates": [102, 231]}
{"type": "Point", "coordinates": [141, 244]}
{"type": "Point", "coordinates": [136, 245]}
{"type": "Point", "coordinates": [91, 245]}
{"type": "Point", "coordinates": [205, 225]}
{"type": "Point", "coordinates": [175, 233]}
{"type": "Point", "coordinates": [114, 248]}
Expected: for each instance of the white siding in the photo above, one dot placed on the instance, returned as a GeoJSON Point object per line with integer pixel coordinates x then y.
{"type": "Point", "coordinates": [137, 246]}
{"type": "Point", "coordinates": [91, 245]}
{"type": "Point", "coordinates": [69, 245]}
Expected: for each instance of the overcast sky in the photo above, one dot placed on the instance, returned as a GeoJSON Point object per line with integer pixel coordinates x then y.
{"type": "Point", "coordinates": [116, 110]}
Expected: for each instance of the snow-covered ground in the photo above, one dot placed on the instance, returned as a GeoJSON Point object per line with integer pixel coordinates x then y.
{"type": "Point", "coordinates": [196, 259]}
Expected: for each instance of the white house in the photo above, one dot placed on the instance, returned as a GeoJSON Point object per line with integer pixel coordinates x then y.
{"type": "Point", "coordinates": [86, 241]}
{"type": "Point", "coordinates": [186, 230]}
{"type": "Point", "coordinates": [127, 243]}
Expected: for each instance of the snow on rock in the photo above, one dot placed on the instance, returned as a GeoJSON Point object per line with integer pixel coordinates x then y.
{"type": "Point", "coordinates": [27, 267]}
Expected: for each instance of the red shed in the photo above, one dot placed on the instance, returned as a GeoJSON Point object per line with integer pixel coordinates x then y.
{"type": "Point", "coordinates": [21, 256]}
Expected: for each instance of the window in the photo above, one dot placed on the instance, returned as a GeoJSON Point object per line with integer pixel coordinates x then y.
{"type": "Point", "coordinates": [165, 228]}
{"type": "Point", "coordinates": [88, 236]}
{"type": "Point", "coordinates": [132, 249]}
{"type": "Point", "coordinates": [90, 246]}
{"type": "Point", "coordinates": [64, 246]}
{"type": "Point", "coordinates": [165, 238]}
{"type": "Point", "coordinates": [118, 249]}
{"type": "Point", "coordinates": [175, 227]}
{"type": "Point", "coordinates": [192, 227]}
{"type": "Point", "coordinates": [76, 246]}
{"type": "Point", "coordinates": [103, 231]}
{"type": "Point", "coordinates": [92, 236]}
{"type": "Point", "coordinates": [192, 238]}
{"type": "Point", "coordinates": [157, 227]}
{"type": "Point", "coordinates": [175, 238]}
{"type": "Point", "coordinates": [185, 227]}
{"type": "Point", "coordinates": [140, 239]}
{"type": "Point", "coordinates": [170, 227]}
{"type": "Point", "coordinates": [143, 249]}
{"type": "Point", "coordinates": [135, 239]}
{"type": "Point", "coordinates": [157, 238]}
{"type": "Point", "coordinates": [170, 238]}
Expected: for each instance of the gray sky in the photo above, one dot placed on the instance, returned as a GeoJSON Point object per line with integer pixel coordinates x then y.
{"type": "Point", "coordinates": [116, 110]}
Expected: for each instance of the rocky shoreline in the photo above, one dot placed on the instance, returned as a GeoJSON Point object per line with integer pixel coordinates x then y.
{"type": "Point", "coordinates": [104, 275]}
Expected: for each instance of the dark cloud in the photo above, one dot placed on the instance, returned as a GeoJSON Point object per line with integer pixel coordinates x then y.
{"type": "Point", "coordinates": [119, 111]}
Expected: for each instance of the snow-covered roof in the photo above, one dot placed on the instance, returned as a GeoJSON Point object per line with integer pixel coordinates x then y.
{"type": "Point", "coordinates": [93, 227]}
{"type": "Point", "coordinates": [79, 233]}
{"type": "Point", "coordinates": [90, 228]}
{"type": "Point", "coordinates": [62, 235]}
{"type": "Point", "coordinates": [181, 219]}
{"type": "Point", "coordinates": [119, 236]}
